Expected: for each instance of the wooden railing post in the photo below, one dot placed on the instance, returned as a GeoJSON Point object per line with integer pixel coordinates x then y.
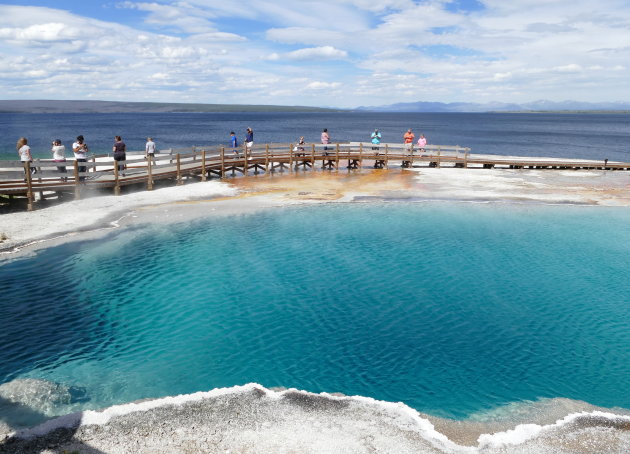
{"type": "Point", "coordinates": [149, 173]}
{"type": "Point", "coordinates": [38, 172]}
{"type": "Point", "coordinates": [337, 156]}
{"type": "Point", "coordinates": [77, 191]}
{"type": "Point", "coordinates": [29, 185]}
{"type": "Point", "coordinates": [179, 171]}
{"type": "Point", "coordinates": [386, 157]}
{"type": "Point", "coordinates": [313, 156]}
{"type": "Point", "coordinates": [203, 165]}
{"type": "Point", "coordinates": [222, 162]}
{"type": "Point", "coordinates": [290, 157]}
{"type": "Point", "coordinates": [116, 180]}
{"type": "Point", "coordinates": [360, 155]}
{"type": "Point", "coordinates": [245, 165]}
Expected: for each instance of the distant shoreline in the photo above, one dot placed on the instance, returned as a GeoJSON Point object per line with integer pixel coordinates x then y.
{"type": "Point", "coordinates": [572, 112]}
{"type": "Point", "coordinates": [80, 106]}
{"type": "Point", "coordinates": [46, 106]}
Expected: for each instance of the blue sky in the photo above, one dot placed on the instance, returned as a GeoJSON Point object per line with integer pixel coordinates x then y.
{"type": "Point", "coordinates": [343, 53]}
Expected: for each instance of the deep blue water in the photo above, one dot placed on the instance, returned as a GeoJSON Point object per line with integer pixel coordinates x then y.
{"type": "Point", "coordinates": [585, 136]}
{"type": "Point", "coordinates": [450, 308]}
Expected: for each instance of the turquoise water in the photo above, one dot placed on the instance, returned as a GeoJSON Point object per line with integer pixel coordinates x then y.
{"type": "Point", "coordinates": [450, 308]}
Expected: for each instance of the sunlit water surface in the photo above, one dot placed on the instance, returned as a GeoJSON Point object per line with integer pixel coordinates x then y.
{"type": "Point", "coordinates": [450, 308]}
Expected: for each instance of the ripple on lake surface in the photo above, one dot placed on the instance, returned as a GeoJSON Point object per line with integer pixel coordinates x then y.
{"type": "Point", "coordinates": [453, 309]}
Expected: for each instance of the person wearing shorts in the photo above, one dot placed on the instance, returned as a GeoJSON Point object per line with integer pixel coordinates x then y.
{"type": "Point", "coordinates": [408, 138]}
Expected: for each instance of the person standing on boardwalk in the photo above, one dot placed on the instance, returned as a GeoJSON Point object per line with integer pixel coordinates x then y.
{"type": "Point", "coordinates": [300, 147]}
{"type": "Point", "coordinates": [408, 146]}
{"type": "Point", "coordinates": [325, 138]}
{"type": "Point", "coordinates": [422, 142]}
{"type": "Point", "coordinates": [80, 150]}
{"type": "Point", "coordinates": [234, 143]}
{"type": "Point", "coordinates": [24, 151]}
{"type": "Point", "coordinates": [376, 139]}
{"type": "Point", "coordinates": [59, 155]}
{"type": "Point", "coordinates": [120, 153]}
{"type": "Point", "coordinates": [249, 141]}
{"type": "Point", "coordinates": [408, 138]}
{"type": "Point", "coordinates": [149, 150]}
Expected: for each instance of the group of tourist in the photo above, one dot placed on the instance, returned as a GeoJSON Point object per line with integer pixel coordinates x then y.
{"type": "Point", "coordinates": [249, 141]}
{"type": "Point", "coordinates": [408, 138]}
{"type": "Point", "coordinates": [325, 139]}
{"type": "Point", "coordinates": [376, 137]}
{"type": "Point", "coordinates": [58, 151]}
{"type": "Point", "coordinates": [80, 150]}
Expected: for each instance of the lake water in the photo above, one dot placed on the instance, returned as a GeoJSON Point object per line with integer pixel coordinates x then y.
{"type": "Point", "coordinates": [584, 136]}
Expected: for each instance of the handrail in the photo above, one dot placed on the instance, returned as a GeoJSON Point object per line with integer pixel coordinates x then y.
{"type": "Point", "coordinates": [101, 170]}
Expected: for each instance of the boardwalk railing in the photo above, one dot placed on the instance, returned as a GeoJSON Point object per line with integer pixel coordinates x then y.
{"type": "Point", "coordinates": [45, 176]}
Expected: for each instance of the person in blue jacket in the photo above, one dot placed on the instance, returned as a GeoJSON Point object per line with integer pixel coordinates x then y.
{"type": "Point", "coordinates": [234, 143]}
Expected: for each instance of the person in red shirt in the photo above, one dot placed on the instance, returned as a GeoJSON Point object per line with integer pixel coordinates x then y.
{"type": "Point", "coordinates": [408, 137]}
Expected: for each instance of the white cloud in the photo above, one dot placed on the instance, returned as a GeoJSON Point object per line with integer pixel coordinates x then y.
{"type": "Point", "coordinates": [259, 51]}
{"type": "Point", "coordinates": [317, 53]}
{"type": "Point", "coordinates": [502, 76]}
{"type": "Point", "coordinates": [48, 32]}
{"type": "Point", "coordinates": [181, 15]}
{"type": "Point", "coordinates": [571, 68]}
{"type": "Point", "coordinates": [322, 85]}
{"type": "Point", "coordinates": [160, 76]}
{"type": "Point", "coordinates": [305, 35]}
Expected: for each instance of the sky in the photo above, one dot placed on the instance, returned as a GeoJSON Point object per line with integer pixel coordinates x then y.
{"type": "Point", "coordinates": [328, 53]}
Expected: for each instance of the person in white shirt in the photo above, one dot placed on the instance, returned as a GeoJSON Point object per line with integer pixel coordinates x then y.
{"type": "Point", "coordinates": [150, 150]}
{"type": "Point", "coordinates": [80, 150]}
{"type": "Point", "coordinates": [59, 155]}
{"type": "Point", "coordinates": [24, 151]}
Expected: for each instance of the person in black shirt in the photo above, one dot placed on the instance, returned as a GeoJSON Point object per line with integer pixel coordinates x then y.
{"type": "Point", "coordinates": [120, 154]}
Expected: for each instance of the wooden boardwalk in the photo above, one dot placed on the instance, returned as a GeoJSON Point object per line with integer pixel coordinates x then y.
{"type": "Point", "coordinates": [203, 163]}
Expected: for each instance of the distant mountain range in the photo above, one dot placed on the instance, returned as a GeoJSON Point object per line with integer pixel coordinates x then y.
{"type": "Point", "coordinates": [50, 106]}
{"type": "Point", "coordinates": [535, 106]}
{"type": "Point", "coordinates": [81, 106]}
